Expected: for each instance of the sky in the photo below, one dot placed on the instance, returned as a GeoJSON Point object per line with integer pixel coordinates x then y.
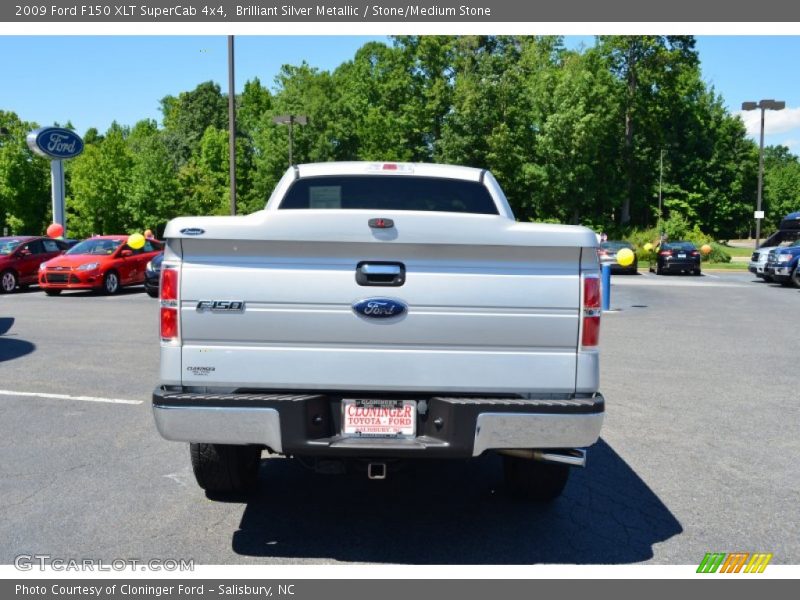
{"type": "Point", "coordinates": [93, 80]}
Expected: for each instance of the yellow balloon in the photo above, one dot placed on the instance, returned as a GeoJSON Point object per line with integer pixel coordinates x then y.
{"type": "Point", "coordinates": [648, 247]}
{"type": "Point", "coordinates": [705, 249]}
{"type": "Point", "coordinates": [136, 241]}
{"type": "Point", "coordinates": [625, 257]}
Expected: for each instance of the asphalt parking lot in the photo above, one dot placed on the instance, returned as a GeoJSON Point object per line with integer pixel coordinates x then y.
{"type": "Point", "coordinates": [699, 450]}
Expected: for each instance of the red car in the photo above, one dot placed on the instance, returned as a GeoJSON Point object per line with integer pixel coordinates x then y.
{"type": "Point", "coordinates": [104, 262]}
{"type": "Point", "coordinates": [20, 258]}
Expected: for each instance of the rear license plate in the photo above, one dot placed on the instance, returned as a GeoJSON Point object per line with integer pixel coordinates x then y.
{"type": "Point", "coordinates": [379, 418]}
{"type": "Point", "coordinates": [681, 255]}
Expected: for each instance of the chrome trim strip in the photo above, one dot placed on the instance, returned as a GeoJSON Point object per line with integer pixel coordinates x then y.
{"type": "Point", "coordinates": [524, 430]}
{"type": "Point", "coordinates": [218, 425]}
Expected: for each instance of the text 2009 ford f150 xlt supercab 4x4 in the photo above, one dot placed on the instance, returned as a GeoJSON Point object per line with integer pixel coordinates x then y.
{"type": "Point", "coordinates": [380, 311]}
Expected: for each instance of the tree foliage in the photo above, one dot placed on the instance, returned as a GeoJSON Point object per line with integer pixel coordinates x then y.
{"type": "Point", "coordinates": [573, 136]}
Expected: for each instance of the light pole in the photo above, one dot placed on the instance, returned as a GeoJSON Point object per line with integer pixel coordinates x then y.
{"type": "Point", "coordinates": [231, 126]}
{"type": "Point", "coordinates": [764, 105]}
{"type": "Point", "coordinates": [660, 180]}
{"type": "Point", "coordinates": [291, 120]}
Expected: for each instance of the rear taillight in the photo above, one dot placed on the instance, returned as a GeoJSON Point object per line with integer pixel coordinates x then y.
{"type": "Point", "coordinates": [695, 253]}
{"type": "Point", "coordinates": [169, 304]}
{"type": "Point", "coordinates": [590, 326]}
{"type": "Point", "coordinates": [666, 253]}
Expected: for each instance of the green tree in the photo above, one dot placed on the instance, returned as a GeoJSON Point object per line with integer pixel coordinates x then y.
{"type": "Point", "coordinates": [24, 179]}
{"type": "Point", "coordinates": [98, 201]}
{"type": "Point", "coordinates": [187, 117]}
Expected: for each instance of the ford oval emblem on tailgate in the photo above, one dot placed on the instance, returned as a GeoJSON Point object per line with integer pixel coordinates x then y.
{"type": "Point", "coordinates": [193, 231]}
{"type": "Point", "coordinates": [379, 308]}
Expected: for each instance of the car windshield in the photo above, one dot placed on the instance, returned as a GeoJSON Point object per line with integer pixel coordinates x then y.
{"type": "Point", "coordinates": [98, 247]}
{"type": "Point", "coordinates": [679, 246]}
{"type": "Point", "coordinates": [7, 246]}
{"type": "Point", "coordinates": [615, 245]}
{"type": "Point", "coordinates": [381, 192]}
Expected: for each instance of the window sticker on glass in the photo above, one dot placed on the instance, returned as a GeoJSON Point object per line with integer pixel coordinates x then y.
{"type": "Point", "coordinates": [325, 196]}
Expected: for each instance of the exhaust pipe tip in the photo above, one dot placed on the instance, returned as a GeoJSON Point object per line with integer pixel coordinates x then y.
{"type": "Point", "coordinates": [376, 470]}
{"type": "Point", "coordinates": [575, 457]}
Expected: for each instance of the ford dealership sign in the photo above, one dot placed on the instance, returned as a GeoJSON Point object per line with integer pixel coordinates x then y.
{"type": "Point", "coordinates": [55, 143]}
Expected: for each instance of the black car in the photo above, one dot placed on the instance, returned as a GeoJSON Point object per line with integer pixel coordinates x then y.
{"type": "Point", "coordinates": [608, 256]}
{"type": "Point", "coordinates": [676, 257]}
{"type": "Point", "coordinates": [151, 276]}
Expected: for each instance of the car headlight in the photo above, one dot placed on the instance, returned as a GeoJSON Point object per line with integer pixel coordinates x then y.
{"type": "Point", "coordinates": [88, 267]}
{"type": "Point", "coordinates": [784, 257]}
{"type": "Point", "coordinates": [42, 266]}
{"type": "Point", "coordinates": [149, 266]}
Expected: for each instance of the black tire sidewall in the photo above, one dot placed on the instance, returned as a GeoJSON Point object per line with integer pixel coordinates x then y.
{"type": "Point", "coordinates": [105, 283]}
{"type": "Point", "coordinates": [2, 278]}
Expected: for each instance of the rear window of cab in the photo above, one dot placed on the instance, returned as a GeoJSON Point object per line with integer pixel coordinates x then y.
{"type": "Point", "coordinates": [382, 192]}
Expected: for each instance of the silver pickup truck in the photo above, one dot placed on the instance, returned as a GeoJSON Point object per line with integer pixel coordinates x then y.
{"type": "Point", "coordinates": [375, 312]}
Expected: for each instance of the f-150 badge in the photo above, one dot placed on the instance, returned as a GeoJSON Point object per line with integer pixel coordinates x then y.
{"type": "Point", "coordinates": [220, 305]}
{"type": "Point", "coordinates": [380, 308]}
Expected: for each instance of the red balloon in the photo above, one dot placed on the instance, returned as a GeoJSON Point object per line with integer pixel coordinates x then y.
{"type": "Point", "coordinates": [55, 230]}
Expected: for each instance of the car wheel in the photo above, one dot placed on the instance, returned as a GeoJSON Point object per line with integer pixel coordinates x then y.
{"type": "Point", "coordinates": [8, 282]}
{"type": "Point", "coordinates": [111, 283]}
{"type": "Point", "coordinates": [152, 293]}
{"type": "Point", "coordinates": [796, 276]}
{"type": "Point", "coordinates": [52, 292]}
{"type": "Point", "coordinates": [534, 480]}
{"type": "Point", "coordinates": [659, 270]}
{"type": "Point", "coordinates": [696, 272]}
{"type": "Point", "coordinates": [225, 469]}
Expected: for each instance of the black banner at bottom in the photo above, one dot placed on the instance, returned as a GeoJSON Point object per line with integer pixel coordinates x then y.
{"type": "Point", "coordinates": [377, 589]}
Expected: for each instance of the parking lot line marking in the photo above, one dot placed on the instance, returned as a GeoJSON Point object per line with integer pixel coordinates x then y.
{"type": "Point", "coordinates": [69, 397]}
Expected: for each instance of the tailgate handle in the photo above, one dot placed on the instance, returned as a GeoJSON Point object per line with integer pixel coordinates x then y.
{"type": "Point", "coordinates": [390, 274]}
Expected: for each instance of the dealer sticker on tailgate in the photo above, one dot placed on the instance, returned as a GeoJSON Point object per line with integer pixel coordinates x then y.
{"type": "Point", "coordinates": [381, 418]}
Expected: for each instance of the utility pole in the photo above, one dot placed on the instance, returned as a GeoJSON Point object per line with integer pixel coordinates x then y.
{"type": "Point", "coordinates": [232, 125]}
{"type": "Point", "coordinates": [660, 181]}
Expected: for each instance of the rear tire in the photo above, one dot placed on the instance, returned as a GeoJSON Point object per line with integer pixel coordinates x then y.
{"type": "Point", "coordinates": [52, 292]}
{"type": "Point", "coordinates": [152, 293]}
{"type": "Point", "coordinates": [796, 276]}
{"type": "Point", "coordinates": [659, 270]}
{"type": "Point", "coordinates": [533, 480]}
{"type": "Point", "coordinates": [225, 469]}
{"type": "Point", "coordinates": [696, 272]}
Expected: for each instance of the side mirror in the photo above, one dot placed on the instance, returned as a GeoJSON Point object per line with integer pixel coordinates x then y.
{"type": "Point", "coordinates": [126, 253]}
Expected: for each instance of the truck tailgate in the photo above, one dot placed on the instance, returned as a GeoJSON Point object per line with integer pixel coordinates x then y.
{"type": "Point", "coordinates": [484, 318]}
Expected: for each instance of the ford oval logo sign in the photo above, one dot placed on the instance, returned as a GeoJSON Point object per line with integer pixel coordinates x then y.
{"type": "Point", "coordinates": [379, 308]}
{"type": "Point", "coordinates": [193, 231]}
{"type": "Point", "coordinates": [55, 143]}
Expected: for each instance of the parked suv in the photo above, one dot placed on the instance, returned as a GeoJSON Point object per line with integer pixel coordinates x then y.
{"type": "Point", "coordinates": [782, 265]}
{"type": "Point", "coordinates": [20, 258]}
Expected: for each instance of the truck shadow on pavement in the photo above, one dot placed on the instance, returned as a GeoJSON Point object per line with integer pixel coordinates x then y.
{"type": "Point", "coordinates": [453, 513]}
{"type": "Point", "coordinates": [11, 348]}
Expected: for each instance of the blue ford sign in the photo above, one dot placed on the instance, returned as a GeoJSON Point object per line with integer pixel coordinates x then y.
{"type": "Point", "coordinates": [379, 308]}
{"type": "Point", "coordinates": [55, 143]}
